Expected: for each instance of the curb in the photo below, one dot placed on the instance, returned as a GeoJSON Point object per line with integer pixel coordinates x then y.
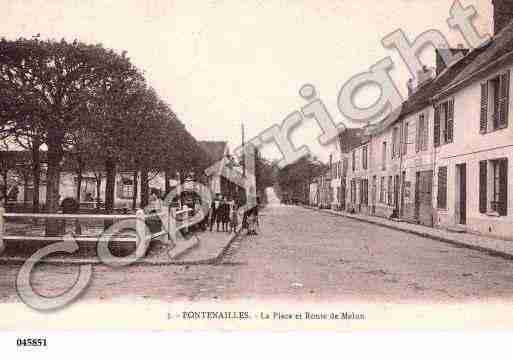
{"type": "Point", "coordinates": [489, 251]}
{"type": "Point", "coordinates": [194, 242]}
{"type": "Point", "coordinates": [213, 260]}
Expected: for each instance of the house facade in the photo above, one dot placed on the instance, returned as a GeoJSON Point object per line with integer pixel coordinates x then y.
{"type": "Point", "coordinates": [447, 160]}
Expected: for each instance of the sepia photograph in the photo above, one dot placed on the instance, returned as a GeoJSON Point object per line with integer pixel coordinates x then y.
{"type": "Point", "coordinates": [285, 165]}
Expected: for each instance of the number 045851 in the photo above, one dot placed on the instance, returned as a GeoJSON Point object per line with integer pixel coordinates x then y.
{"type": "Point", "coordinates": [31, 342]}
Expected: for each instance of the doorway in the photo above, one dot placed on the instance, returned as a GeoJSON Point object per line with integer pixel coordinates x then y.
{"type": "Point", "coordinates": [424, 198]}
{"type": "Point", "coordinates": [461, 199]}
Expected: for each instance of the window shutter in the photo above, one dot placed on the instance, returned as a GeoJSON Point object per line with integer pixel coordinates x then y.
{"type": "Point", "coordinates": [450, 120]}
{"type": "Point", "coordinates": [418, 134]}
{"type": "Point", "coordinates": [503, 188]}
{"type": "Point", "coordinates": [424, 135]}
{"type": "Point", "coordinates": [483, 191]}
{"type": "Point", "coordinates": [442, 187]}
{"type": "Point", "coordinates": [405, 138]}
{"type": "Point", "coordinates": [436, 134]}
{"type": "Point", "coordinates": [484, 108]}
{"type": "Point", "coordinates": [504, 99]}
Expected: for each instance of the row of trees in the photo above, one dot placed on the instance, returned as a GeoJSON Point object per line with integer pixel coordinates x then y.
{"type": "Point", "coordinates": [89, 108]}
{"type": "Point", "coordinates": [292, 178]}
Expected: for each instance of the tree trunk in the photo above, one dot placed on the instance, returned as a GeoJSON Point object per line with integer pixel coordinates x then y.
{"type": "Point", "coordinates": [80, 169]}
{"type": "Point", "coordinates": [110, 170]}
{"type": "Point", "coordinates": [110, 186]}
{"type": "Point", "coordinates": [98, 191]}
{"type": "Point", "coordinates": [134, 199]}
{"type": "Point", "coordinates": [53, 179]}
{"type": "Point", "coordinates": [167, 182]}
{"type": "Point", "coordinates": [36, 174]}
{"type": "Point", "coordinates": [145, 189]}
{"type": "Point", "coordinates": [25, 186]}
{"type": "Point", "coordinates": [5, 188]}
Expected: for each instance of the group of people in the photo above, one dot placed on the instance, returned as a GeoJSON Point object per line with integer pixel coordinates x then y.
{"type": "Point", "coordinates": [223, 211]}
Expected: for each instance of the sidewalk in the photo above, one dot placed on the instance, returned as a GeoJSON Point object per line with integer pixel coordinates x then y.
{"type": "Point", "coordinates": [209, 249]}
{"type": "Point", "coordinates": [493, 246]}
{"type": "Point", "coordinates": [201, 248]}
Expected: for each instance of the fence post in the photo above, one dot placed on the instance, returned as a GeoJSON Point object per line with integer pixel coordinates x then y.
{"type": "Point", "coordinates": [2, 243]}
{"type": "Point", "coordinates": [140, 228]}
{"type": "Point", "coordinates": [170, 223]}
{"type": "Point", "coordinates": [186, 220]}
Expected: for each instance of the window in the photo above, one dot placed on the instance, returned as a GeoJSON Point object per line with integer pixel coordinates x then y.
{"type": "Point", "coordinates": [444, 123]}
{"type": "Point", "coordinates": [493, 184]}
{"type": "Point", "coordinates": [422, 134]}
{"type": "Point", "coordinates": [495, 103]}
{"type": "Point", "coordinates": [364, 157]}
{"type": "Point", "coordinates": [354, 161]}
{"type": "Point", "coordinates": [126, 187]}
{"type": "Point", "coordinates": [395, 142]}
{"type": "Point", "coordinates": [364, 192]}
{"type": "Point", "coordinates": [344, 166]}
{"type": "Point", "coordinates": [442, 188]}
{"type": "Point", "coordinates": [384, 157]}
{"type": "Point", "coordinates": [382, 190]}
{"type": "Point", "coordinates": [353, 191]}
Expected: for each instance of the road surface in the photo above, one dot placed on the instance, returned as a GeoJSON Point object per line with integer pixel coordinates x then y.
{"type": "Point", "coordinates": [302, 254]}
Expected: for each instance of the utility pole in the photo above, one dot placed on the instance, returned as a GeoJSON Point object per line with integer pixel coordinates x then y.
{"type": "Point", "coordinates": [243, 150]}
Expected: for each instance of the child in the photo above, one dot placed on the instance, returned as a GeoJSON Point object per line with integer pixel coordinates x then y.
{"type": "Point", "coordinates": [234, 219]}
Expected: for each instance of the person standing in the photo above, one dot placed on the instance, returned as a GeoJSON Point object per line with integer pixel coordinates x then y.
{"type": "Point", "coordinates": [214, 209]}
{"type": "Point", "coordinates": [226, 215]}
{"type": "Point", "coordinates": [221, 214]}
{"type": "Point", "coordinates": [234, 220]}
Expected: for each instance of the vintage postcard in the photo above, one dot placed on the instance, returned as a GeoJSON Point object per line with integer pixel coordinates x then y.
{"type": "Point", "coordinates": [278, 165]}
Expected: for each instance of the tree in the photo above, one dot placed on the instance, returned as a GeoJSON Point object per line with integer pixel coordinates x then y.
{"type": "Point", "coordinates": [57, 79]}
{"type": "Point", "coordinates": [292, 178]}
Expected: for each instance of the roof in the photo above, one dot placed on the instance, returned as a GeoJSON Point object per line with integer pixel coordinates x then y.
{"type": "Point", "coordinates": [214, 149]}
{"type": "Point", "coordinates": [479, 61]}
{"type": "Point", "coordinates": [496, 53]}
{"type": "Point", "coordinates": [351, 138]}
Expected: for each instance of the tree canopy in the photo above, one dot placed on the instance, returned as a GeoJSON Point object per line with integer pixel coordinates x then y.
{"type": "Point", "coordinates": [89, 103]}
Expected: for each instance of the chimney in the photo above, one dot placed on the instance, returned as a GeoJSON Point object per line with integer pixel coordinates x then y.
{"type": "Point", "coordinates": [424, 76]}
{"type": "Point", "coordinates": [440, 53]}
{"type": "Point", "coordinates": [502, 14]}
{"type": "Point", "coordinates": [411, 87]}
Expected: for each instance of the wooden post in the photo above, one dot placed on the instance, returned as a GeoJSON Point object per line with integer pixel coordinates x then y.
{"type": "Point", "coordinates": [2, 243]}
{"type": "Point", "coordinates": [170, 223]}
{"type": "Point", "coordinates": [186, 220]}
{"type": "Point", "coordinates": [140, 227]}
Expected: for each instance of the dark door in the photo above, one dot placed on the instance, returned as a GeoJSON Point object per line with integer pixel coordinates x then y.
{"type": "Point", "coordinates": [374, 193]}
{"type": "Point", "coordinates": [396, 193]}
{"type": "Point", "coordinates": [424, 198]}
{"type": "Point", "coordinates": [343, 192]}
{"type": "Point", "coordinates": [463, 193]}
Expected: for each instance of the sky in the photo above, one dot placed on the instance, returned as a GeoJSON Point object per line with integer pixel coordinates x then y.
{"type": "Point", "coordinates": [220, 63]}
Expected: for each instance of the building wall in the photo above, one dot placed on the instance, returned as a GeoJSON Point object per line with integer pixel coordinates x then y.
{"type": "Point", "coordinates": [67, 188]}
{"type": "Point", "coordinates": [469, 147]}
{"type": "Point", "coordinates": [313, 195]}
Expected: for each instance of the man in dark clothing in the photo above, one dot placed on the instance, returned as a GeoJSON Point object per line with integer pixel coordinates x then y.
{"type": "Point", "coordinates": [214, 212]}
